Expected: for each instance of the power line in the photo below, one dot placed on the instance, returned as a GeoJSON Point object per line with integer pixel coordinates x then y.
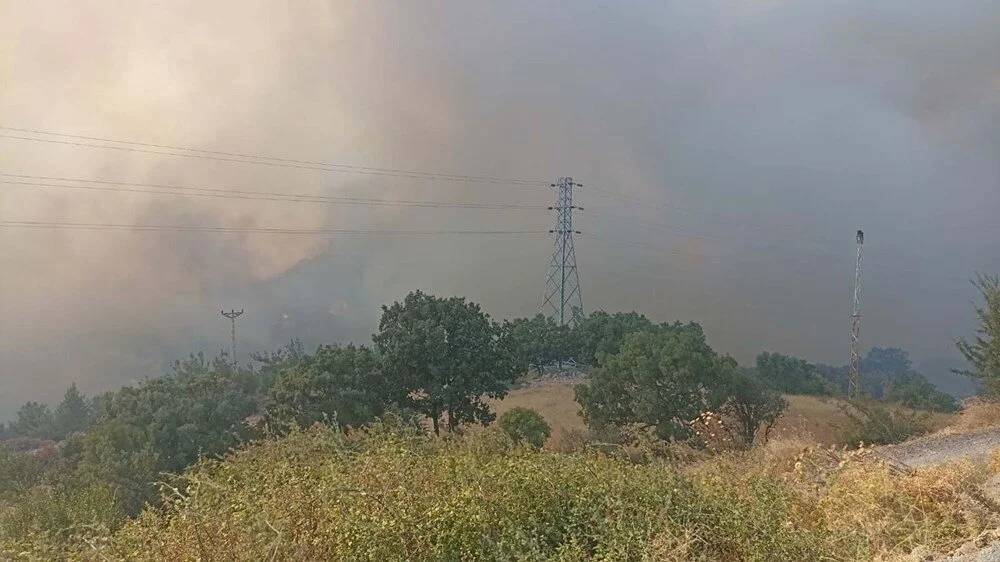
{"type": "Point", "coordinates": [189, 152]}
{"type": "Point", "coordinates": [55, 225]}
{"type": "Point", "coordinates": [227, 193]}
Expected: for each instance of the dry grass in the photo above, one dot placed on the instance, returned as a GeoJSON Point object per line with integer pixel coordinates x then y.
{"type": "Point", "coordinates": [976, 413]}
{"type": "Point", "coordinates": [554, 401]}
{"type": "Point", "coordinates": [814, 419]}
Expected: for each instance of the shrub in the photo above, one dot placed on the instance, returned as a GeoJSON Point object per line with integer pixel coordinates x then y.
{"type": "Point", "coordinates": [877, 424]}
{"type": "Point", "coordinates": [977, 413]}
{"type": "Point", "coordinates": [391, 492]}
{"type": "Point", "coordinates": [525, 425]}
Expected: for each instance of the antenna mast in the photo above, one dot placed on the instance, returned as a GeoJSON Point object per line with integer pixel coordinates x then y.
{"type": "Point", "coordinates": [854, 382]}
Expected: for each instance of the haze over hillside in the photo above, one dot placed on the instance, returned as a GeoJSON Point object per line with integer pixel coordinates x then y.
{"type": "Point", "coordinates": [729, 151]}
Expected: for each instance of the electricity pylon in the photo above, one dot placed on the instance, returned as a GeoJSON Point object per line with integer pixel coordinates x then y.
{"type": "Point", "coordinates": [562, 286]}
{"type": "Point", "coordinates": [854, 381]}
{"type": "Point", "coordinates": [232, 315]}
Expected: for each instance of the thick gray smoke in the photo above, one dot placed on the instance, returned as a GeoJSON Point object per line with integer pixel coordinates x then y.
{"type": "Point", "coordinates": [729, 150]}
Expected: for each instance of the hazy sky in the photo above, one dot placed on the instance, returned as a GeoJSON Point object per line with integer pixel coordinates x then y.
{"type": "Point", "coordinates": [729, 151]}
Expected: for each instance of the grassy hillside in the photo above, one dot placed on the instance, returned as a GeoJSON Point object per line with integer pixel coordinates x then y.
{"type": "Point", "coordinates": [810, 418]}
{"type": "Point", "coordinates": [394, 494]}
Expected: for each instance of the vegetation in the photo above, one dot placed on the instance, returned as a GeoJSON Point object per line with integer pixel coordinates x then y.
{"type": "Point", "coordinates": [660, 380]}
{"type": "Point", "coordinates": [332, 460]}
{"type": "Point", "coordinates": [442, 357]}
{"type": "Point", "coordinates": [983, 353]}
{"type": "Point", "coordinates": [525, 426]}
{"type": "Point", "coordinates": [876, 424]}
{"type": "Point", "coordinates": [752, 405]}
{"type": "Point", "coordinates": [341, 385]}
{"type": "Point", "coordinates": [390, 492]}
{"type": "Point", "coordinates": [790, 375]}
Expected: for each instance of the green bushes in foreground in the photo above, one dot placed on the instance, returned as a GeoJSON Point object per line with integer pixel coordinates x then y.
{"type": "Point", "coordinates": [393, 494]}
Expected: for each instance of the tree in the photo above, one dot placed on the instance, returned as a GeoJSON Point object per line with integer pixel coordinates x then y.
{"type": "Point", "coordinates": [344, 384]}
{"type": "Point", "coordinates": [600, 334]}
{"type": "Point", "coordinates": [34, 419]}
{"type": "Point", "coordinates": [536, 342]}
{"type": "Point", "coordinates": [983, 353]}
{"type": "Point", "coordinates": [660, 380]}
{"type": "Point", "coordinates": [525, 425]}
{"type": "Point", "coordinates": [73, 413]}
{"type": "Point", "coordinates": [890, 360]}
{"type": "Point", "coordinates": [915, 391]}
{"type": "Point", "coordinates": [442, 356]}
{"type": "Point", "coordinates": [752, 404]}
{"type": "Point", "coordinates": [790, 375]}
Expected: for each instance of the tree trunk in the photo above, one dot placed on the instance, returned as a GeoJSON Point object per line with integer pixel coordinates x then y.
{"type": "Point", "coordinates": [434, 417]}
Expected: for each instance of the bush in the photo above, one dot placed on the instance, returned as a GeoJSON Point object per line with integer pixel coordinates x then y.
{"type": "Point", "coordinates": [877, 424]}
{"type": "Point", "coordinates": [524, 425]}
{"type": "Point", "coordinates": [391, 492]}
{"type": "Point", "coordinates": [978, 413]}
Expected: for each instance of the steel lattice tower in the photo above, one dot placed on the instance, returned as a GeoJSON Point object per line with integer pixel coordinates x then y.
{"type": "Point", "coordinates": [232, 315]}
{"type": "Point", "coordinates": [562, 286]}
{"type": "Point", "coordinates": [854, 382]}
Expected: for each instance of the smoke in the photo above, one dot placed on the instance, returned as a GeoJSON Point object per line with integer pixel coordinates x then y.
{"type": "Point", "coordinates": [729, 149]}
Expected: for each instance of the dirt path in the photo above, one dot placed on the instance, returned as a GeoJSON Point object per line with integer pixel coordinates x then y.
{"type": "Point", "coordinates": [942, 448]}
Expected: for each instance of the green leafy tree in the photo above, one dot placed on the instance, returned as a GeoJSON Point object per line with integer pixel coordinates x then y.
{"type": "Point", "coordinates": [344, 384]}
{"type": "Point", "coordinates": [983, 353]}
{"type": "Point", "coordinates": [34, 419]}
{"type": "Point", "coordinates": [73, 413]}
{"type": "Point", "coordinates": [524, 425]}
{"type": "Point", "coordinates": [790, 375]}
{"type": "Point", "coordinates": [442, 358]}
{"type": "Point", "coordinates": [915, 391]}
{"type": "Point", "coordinates": [535, 342]}
{"type": "Point", "coordinates": [600, 333]}
{"type": "Point", "coordinates": [660, 380]}
{"type": "Point", "coordinates": [752, 404]}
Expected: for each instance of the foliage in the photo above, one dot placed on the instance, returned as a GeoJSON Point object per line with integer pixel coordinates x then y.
{"type": "Point", "coordinates": [73, 414]}
{"type": "Point", "coordinates": [887, 374]}
{"type": "Point", "coordinates": [536, 342]}
{"type": "Point", "coordinates": [983, 353]}
{"type": "Point", "coordinates": [390, 493]}
{"type": "Point", "coordinates": [337, 384]}
{"type": "Point", "coordinates": [790, 375]}
{"type": "Point", "coordinates": [600, 333]}
{"type": "Point", "coordinates": [659, 380]}
{"type": "Point", "coordinates": [34, 419]}
{"type": "Point", "coordinates": [915, 391]}
{"type": "Point", "coordinates": [524, 425]}
{"type": "Point", "coordinates": [752, 404]}
{"type": "Point", "coordinates": [393, 498]}
{"type": "Point", "coordinates": [877, 424]}
{"type": "Point", "coordinates": [442, 357]}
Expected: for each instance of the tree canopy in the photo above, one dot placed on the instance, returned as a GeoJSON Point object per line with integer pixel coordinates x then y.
{"type": "Point", "coordinates": [983, 352]}
{"type": "Point", "coordinates": [661, 380]}
{"type": "Point", "coordinates": [790, 375]}
{"type": "Point", "coordinates": [443, 357]}
{"type": "Point", "coordinates": [341, 384]}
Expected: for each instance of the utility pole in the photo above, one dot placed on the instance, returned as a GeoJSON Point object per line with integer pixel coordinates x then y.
{"type": "Point", "coordinates": [232, 315]}
{"type": "Point", "coordinates": [562, 286]}
{"type": "Point", "coordinates": [854, 382]}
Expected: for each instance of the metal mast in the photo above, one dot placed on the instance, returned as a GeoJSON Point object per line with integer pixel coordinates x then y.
{"type": "Point", "coordinates": [232, 315]}
{"type": "Point", "coordinates": [562, 286]}
{"type": "Point", "coordinates": [854, 382]}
